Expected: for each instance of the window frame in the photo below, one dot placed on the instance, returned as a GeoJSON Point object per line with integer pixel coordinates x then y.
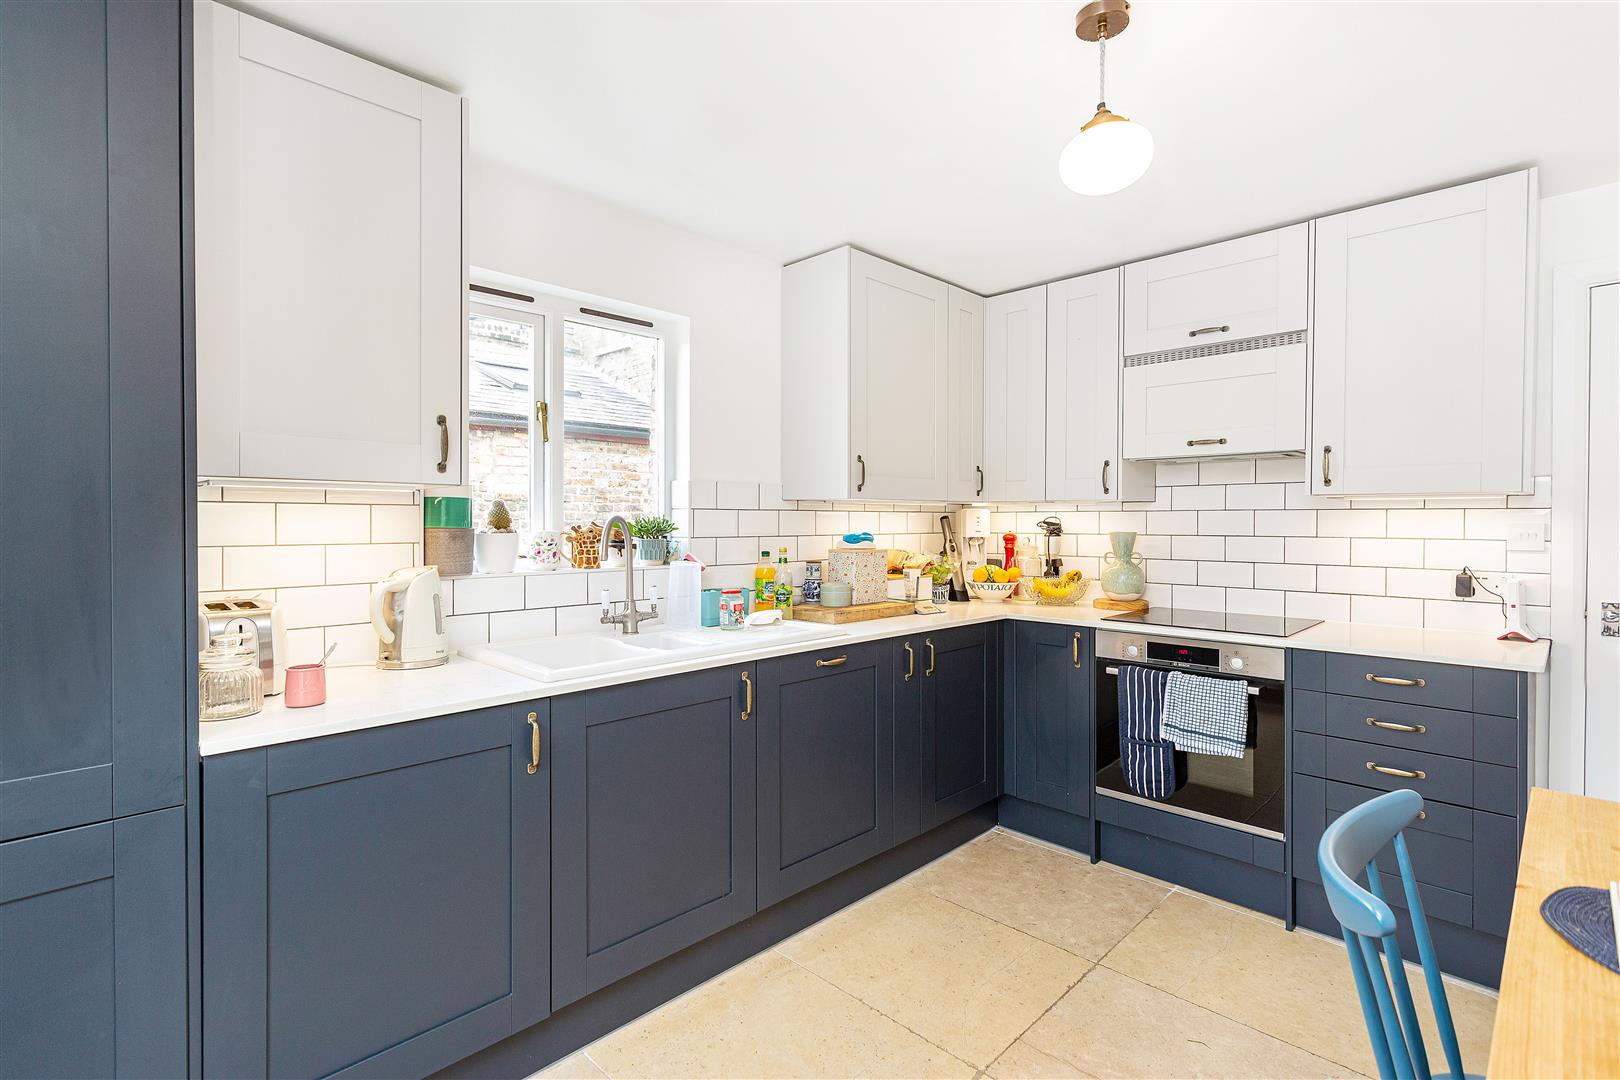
{"type": "Point", "coordinates": [549, 312]}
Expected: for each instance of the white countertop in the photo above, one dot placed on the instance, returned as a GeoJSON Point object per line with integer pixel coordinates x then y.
{"type": "Point", "coordinates": [366, 697]}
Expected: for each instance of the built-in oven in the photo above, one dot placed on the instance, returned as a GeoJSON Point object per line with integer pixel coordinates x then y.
{"type": "Point", "coordinates": [1242, 793]}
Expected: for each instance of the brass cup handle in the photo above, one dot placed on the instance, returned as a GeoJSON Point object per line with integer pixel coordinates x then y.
{"type": "Point", "coordinates": [930, 643]}
{"type": "Point", "coordinates": [1327, 473]}
{"type": "Point", "coordinates": [1208, 330]}
{"type": "Point", "coordinates": [1388, 725]}
{"type": "Point", "coordinates": [1390, 680]}
{"type": "Point", "coordinates": [748, 699]}
{"type": "Point", "coordinates": [911, 660]}
{"type": "Point", "coordinates": [980, 470]}
{"type": "Point", "coordinates": [861, 461]}
{"type": "Point", "coordinates": [1105, 477]}
{"type": "Point", "coordinates": [1404, 774]}
{"type": "Point", "coordinates": [1074, 650]}
{"type": "Point", "coordinates": [534, 743]}
{"type": "Point", "coordinates": [444, 443]}
{"type": "Point", "coordinates": [834, 662]}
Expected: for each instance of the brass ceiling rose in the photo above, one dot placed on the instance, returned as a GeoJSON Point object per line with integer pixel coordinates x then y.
{"type": "Point", "coordinates": [1102, 19]}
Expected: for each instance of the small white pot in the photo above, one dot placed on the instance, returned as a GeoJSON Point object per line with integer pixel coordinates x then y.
{"type": "Point", "coordinates": [495, 552]}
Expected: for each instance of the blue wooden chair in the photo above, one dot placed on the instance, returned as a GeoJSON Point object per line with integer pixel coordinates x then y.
{"type": "Point", "coordinates": [1348, 849]}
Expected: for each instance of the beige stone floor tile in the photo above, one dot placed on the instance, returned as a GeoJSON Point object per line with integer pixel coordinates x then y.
{"type": "Point", "coordinates": [1111, 1025]}
{"type": "Point", "coordinates": [769, 1017]}
{"type": "Point", "coordinates": [1062, 899]}
{"type": "Point", "coordinates": [1022, 1061]}
{"type": "Point", "coordinates": [1294, 986]}
{"type": "Point", "coordinates": [575, 1066]}
{"type": "Point", "coordinates": [962, 981]}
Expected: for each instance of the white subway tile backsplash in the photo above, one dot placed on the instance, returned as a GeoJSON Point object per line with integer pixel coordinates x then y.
{"type": "Point", "coordinates": [737, 495]}
{"type": "Point", "coordinates": [1423, 524]}
{"type": "Point", "coordinates": [1226, 522]}
{"type": "Point", "coordinates": [1201, 548]}
{"type": "Point", "coordinates": [396, 524]}
{"type": "Point", "coordinates": [1421, 584]}
{"type": "Point", "coordinates": [555, 589]}
{"type": "Point", "coordinates": [732, 550]}
{"type": "Point", "coordinates": [465, 630]}
{"type": "Point", "coordinates": [1501, 524]}
{"type": "Point", "coordinates": [356, 644]}
{"type": "Point", "coordinates": [1236, 575]}
{"type": "Point", "coordinates": [494, 592]}
{"type": "Point", "coordinates": [1197, 598]}
{"type": "Point", "coordinates": [714, 522]}
{"type": "Point", "coordinates": [1281, 470]}
{"type": "Point", "coordinates": [522, 625]}
{"type": "Point", "coordinates": [1177, 474]}
{"type": "Point", "coordinates": [374, 497]}
{"type": "Point", "coordinates": [1456, 615]}
{"type": "Point", "coordinates": [1254, 548]}
{"type": "Point", "coordinates": [272, 567]}
{"type": "Point", "coordinates": [1122, 521]}
{"type": "Point", "coordinates": [832, 522]}
{"type": "Point", "coordinates": [224, 524]}
{"type": "Point", "coordinates": [367, 563]}
{"type": "Point", "coordinates": [1254, 601]}
{"type": "Point", "coordinates": [1285, 522]}
{"type": "Point", "coordinates": [1285, 577]}
{"type": "Point", "coordinates": [311, 523]}
{"type": "Point", "coordinates": [1378, 551]}
{"type": "Point", "coordinates": [1240, 471]}
{"type": "Point", "coordinates": [1386, 610]}
{"type": "Point", "coordinates": [1483, 556]}
{"type": "Point", "coordinates": [1154, 547]}
{"type": "Point", "coordinates": [1175, 572]}
{"type": "Point", "coordinates": [1350, 522]}
{"type": "Point", "coordinates": [1164, 522]}
{"type": "Point", "coordinates": [1255, 497]}
{"type": "Point", "coordinates": [1331, 550]}
{"type": "Point", "coordinates": [210, 569]}
{"type": "Point", "coordinates": [272, 495]}
{"type": "Point", "coordinates": [1299, 497]}
{"type": "Point", "coordinates": [305, 645]}
{"type": "Point", "coordinates": [324, 605]}
{"type": "Point", "coordinates": [1312, 605]}
{"type": "Point", "coordinates": [1351, 579]}
{"type": "Point", "coordinates": [770, 498]}
{"type": "Point", "coordinates": [1198, 498]}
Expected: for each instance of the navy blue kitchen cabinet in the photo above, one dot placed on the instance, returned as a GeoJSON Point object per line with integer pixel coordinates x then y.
{"type": "Point", "coordinates": [653, 823]}
{"type": "Point", "coordinates": [94, 440]}
{"type": "Point", "coordinates": [1049, 713]}
{"type": "Point", "coordinates": [377, 903]}
{"type": "Point", "coordinates": [908, 700]}
{"type": "Point", "coordinates": [959, 732]}
{"type": "Point", "coordinates": [825, 745]}
{"type": "Point", "coordinates": [93, 950]}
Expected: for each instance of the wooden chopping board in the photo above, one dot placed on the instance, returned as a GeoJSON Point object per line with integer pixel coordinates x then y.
{"type": "Point", "coordinates": [883, 609]}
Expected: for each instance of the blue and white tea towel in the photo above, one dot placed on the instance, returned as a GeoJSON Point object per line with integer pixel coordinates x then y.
{"type": "Point", "coordinates": [1148, 761]}
{"type": "Point", "coordinates": [1206, 716]}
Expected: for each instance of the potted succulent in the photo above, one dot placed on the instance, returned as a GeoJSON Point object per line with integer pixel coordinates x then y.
{"type": "Point", "coordinates": [495, 549]}
{"type": "Point", "coordinates": [651, 535]}
{"type": "Point", "coordinates": [940, 573]}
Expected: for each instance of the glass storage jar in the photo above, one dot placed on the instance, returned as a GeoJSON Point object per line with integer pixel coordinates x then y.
{"type": "Point", "coordinates": [228, 681]}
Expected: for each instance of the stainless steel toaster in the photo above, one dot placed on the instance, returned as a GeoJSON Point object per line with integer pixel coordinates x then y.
{"type": "Point", "coordinates": [261, 621]}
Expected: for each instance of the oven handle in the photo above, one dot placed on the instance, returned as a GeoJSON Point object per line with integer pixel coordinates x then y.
{"type": "Point", "coordinates": [1254, 691]}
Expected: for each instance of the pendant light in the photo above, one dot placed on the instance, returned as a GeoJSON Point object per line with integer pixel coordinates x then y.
{"type": "Point", "coordinates": [1110, 153]}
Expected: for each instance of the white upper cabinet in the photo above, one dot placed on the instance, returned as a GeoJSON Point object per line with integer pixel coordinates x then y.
{"type": "Point", "coordinates": [330, 276]}
{"type": "Point", "coordinates": [1422, 381]}
{"type": "Point", "coordinates": [1082, 395]}
{"type": "Point", "coordinates": [864, 378]}
{"type": "Point", "coordinates": [964, 393]}
{"type": "Point", "coordinates": [1015, 396]}
{"type": "Point", "coordinates": [1244, 288]}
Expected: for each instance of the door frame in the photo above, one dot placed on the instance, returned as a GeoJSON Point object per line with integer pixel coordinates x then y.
{"type": "Point", "coordinates": [1563, 746]}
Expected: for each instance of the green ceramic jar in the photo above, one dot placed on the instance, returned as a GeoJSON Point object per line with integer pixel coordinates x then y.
{"type": "Point", "coordinates": [1123, 577]}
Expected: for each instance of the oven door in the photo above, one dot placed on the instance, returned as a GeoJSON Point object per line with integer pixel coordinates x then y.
{"type": "Point", "coordinates": [1243, 793]}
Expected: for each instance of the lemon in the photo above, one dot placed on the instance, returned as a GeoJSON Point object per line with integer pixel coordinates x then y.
{"type": "Point", "coordinates": [1014, 574]}
{"type": "Point", "coordinates": [981, 574]}
{"type": "Point", "coordinates": [998, 575]}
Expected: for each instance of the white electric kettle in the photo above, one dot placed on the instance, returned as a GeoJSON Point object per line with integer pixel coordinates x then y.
{"type": "Point", "coordinates": [407, 611]}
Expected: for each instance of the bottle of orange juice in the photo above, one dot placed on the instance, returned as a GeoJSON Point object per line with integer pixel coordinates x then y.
{"type": "Point", "coordinates": [764, 582]}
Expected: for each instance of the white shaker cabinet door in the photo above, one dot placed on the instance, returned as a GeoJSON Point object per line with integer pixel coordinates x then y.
{"type": "Point", "coordinates": [1422, 377]}
{"type": "Point", "coordinates": [964, 395]}
{"type": "Point", "coordinates": [1244, 288]}
{"type": "Point", "coordinates": [897, 364]}
{"type": "Point", "coordinates": [330, 279]}
{"type": "Point", "coordinates": [1015, 396]}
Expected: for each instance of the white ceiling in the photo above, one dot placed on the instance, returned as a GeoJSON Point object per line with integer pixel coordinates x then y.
{"type": "Point", "coordinates": [929, 132]}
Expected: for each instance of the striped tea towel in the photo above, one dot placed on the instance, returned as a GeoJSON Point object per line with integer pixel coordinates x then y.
{"type": "Point", "coordinates": [1148, 761]}
{"type": "Point", "coordinates": [1206, 716]}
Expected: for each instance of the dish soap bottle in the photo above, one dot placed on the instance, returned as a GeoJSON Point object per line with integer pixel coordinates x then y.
{"type": "Point", "coordinates": [764, 582]}
{"type": "Point", "coordinates": [784, 582]}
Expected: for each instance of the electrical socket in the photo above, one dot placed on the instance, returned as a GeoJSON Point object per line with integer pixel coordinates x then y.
{"type": "Point", "coordinates": [1465, 585]}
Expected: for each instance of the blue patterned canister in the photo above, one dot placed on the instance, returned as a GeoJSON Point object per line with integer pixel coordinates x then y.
{"type": "Point", "coordinates": [812, 582]}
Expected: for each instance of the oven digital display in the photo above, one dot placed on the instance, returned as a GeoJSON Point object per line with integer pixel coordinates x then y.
{"type": "Point", "coordinates": [1183, 654]}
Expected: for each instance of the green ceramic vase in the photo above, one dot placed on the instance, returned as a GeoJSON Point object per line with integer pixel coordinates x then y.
{"type": "Point", "coordinates": [1123, 577]}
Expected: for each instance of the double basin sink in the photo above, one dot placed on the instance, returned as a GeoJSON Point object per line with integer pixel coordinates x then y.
{"type": "Point", "coordinates": [573, 656]}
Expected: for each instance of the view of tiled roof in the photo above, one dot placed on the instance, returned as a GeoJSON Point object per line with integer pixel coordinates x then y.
{"type": "Point", "coordinates": [500, 394]}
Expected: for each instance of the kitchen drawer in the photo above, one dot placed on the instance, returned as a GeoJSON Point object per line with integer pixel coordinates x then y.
{"type": "Point", "coordinates": [1438, 731]}
{"type": "Point", "coordinates": [1452, 780]}
{"type": "Point", "coordinates": [1442, 685]}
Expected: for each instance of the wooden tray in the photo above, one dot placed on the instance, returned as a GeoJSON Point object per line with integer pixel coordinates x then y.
{"type": "Point", "coordinates": [883, 609]}
{"type": "Point", "coordinates": [1119, 605]}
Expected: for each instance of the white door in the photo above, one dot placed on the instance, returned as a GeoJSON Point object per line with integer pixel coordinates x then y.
{"type": "Point", "coordinates": [1602, 631]}
{"type": "Point", "coordinates": [1015, 396]}
{"type": "Point", "coordinates": [964, 394]}
{"type": "Point", "coordinates": [897, 363]}
{"type": "Point", "coordinates": [330, 278]}
{"type": "Point", "coordinates": [1243, 288]}
{"type": "Point", "coordinates": [1082, 394]}
{"type": "Point", "coordinates": [1422, 378]}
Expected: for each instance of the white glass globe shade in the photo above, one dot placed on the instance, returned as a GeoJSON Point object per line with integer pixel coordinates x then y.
{"type": "Point", "coordinates": [1106, 157]}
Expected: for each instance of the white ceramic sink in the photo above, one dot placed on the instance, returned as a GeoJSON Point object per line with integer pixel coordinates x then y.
{"type": "Point", "coordinates": [572, 656]}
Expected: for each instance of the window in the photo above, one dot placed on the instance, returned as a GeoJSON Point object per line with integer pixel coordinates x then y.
{"type": "Point", "coordinates": [565, 412]}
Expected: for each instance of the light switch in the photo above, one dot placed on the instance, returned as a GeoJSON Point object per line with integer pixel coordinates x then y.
{"type": "Point", "coordinates": [1527, 536]}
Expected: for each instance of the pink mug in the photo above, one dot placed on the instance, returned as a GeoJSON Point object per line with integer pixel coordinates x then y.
{"type": "Point", "coordinates": [305, 686]}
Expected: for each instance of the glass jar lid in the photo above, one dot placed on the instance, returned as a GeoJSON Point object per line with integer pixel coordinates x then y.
{"type": "Point", "coordinates": [227, 652]}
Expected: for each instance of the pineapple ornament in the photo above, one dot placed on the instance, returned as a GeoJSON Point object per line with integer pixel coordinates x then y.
{"type": "Point", "coordinates": [495, 549]}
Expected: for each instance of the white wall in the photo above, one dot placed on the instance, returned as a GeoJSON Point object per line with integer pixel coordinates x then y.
{"type": "Point", "coordinates": [730, 388]}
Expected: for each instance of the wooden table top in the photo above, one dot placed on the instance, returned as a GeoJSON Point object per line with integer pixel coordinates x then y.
{"type": "Point", "coordinates": [1559, 1013]}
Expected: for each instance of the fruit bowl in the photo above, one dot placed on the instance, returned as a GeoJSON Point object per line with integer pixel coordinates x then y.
{"type": "Point", "coordinates": [1060, 591]}
{"type": "Point", "coordinates": [992, 590]}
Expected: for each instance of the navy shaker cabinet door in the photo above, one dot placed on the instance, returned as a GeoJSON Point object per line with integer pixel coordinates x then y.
{"type": "Point", "coordinates": [93, 950]}
{"type": "Point", "coordinates": [376, 904]}
{"type": "Point", "coordinates": [653, 822]}
{"type": "Point", "coordinates": [92, 375]}
{"type": "Point", "coordinates": [825, 731]}
{"type": "Point", "coordinates": [1050, 712]}
{"type": "Point", "coordinates": [959, 733]}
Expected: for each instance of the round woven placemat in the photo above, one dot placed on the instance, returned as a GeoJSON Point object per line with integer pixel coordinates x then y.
{"type": "Point", "coordinates": [1583, 917]}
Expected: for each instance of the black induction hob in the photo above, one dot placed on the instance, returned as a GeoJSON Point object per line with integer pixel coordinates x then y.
{"type": "Point", "coordinates": [1276, 626]}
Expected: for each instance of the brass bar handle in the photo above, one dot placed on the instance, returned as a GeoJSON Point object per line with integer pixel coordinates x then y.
{"type": "Point", "coordinates": [542, 413]}
{"type": "Point", "coordinates": [911, 660]}
{"type": "Point", "coordinates": [980, 469]}
{"type": "Point", "coordinates": [1207, 442]}
{"type": "Point", "coordinates": [534, 743]}
{"type": "Point", "coordinates": [444, 443]}
{"type": "Point", "coordinates": [1074, 649]}
{"type": "Point", "coordinates": [1388, 725]}
{"type": "Point", "coordinates": [1105, 477]}
{"type": "Point", "coordinates": [1208, 330]}
{"type": "Point", "coordinates": [861, 461]}
{"type": "Point", "coordinates": [930, 643]}
{"type": "Point", "coordinates": [748, 700]}
{"type": "Point", "coordinates": [834, 662]}
{"type": "Point", "coordinates": [1404, 774]}
{"type": "Point", "coordinates": [1390, 680]}
{"type": "Point", "coordinates": [1327, 472]}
